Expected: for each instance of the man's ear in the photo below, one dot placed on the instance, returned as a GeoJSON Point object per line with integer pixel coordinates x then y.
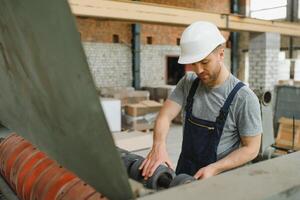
{"type": "Point", "coordinates": [222, 53]}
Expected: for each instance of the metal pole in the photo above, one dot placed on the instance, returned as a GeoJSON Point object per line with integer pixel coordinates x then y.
{"type": "Point", "coordinates": [234, 38]}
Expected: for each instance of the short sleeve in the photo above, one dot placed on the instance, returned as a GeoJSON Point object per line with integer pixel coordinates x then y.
{"type": "Point", "coordinates": [178, 94]}
{"type": "Point", "coordinates": [249, 116]}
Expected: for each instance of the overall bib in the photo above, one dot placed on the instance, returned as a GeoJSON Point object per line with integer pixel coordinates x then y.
{"type": "Point", "coordinates": [201, 137]}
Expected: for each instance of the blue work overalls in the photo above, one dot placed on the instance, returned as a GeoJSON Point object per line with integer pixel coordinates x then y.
{"type": "Point", "coordinates": [201, 137]}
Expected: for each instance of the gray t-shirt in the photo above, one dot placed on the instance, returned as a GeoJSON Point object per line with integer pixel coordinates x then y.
{"type": "Point", "coordinates": [244, 117]}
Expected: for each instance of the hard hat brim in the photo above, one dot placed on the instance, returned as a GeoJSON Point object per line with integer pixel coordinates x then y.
{"type": "Point", "coordinates": [191, 59]}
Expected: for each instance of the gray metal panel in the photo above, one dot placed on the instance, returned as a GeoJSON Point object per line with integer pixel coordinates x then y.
{"type": "Point", "coordinates": [267, 123]}
{"type": "Point", "coordinates": [259, 181]}
{"type": "Point", "coordinates": [48, 95]}
{"type": "Point", "coordinates": [287, 103]}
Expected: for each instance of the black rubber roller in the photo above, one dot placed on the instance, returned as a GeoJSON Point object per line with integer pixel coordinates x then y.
{"type": "Point", "coordinates": [134, 171]}
{"type": "Point", "coordinates": [181, 179]}
{"type": "Point", "coordinates": [161, 178]}
{"type": "Point", "coordinates": [129, 160]}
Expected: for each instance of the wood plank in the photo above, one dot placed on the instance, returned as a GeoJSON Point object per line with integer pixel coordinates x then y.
{"type": "Point", "coordinates": [285, 134]}
{"type": "Point", "coordinates": [133, 141]}
{"type": "Point", "coordinates": [161, 14]}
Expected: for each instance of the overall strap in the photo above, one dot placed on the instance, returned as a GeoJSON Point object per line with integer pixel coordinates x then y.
{"type": "Point", "coordinates": [190, 98]}
{"type": "Point", "coordinates": [225, 109]}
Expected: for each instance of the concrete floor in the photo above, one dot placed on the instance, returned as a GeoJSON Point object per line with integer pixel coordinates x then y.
{"type": "Point", "coordinates": [174, 140]}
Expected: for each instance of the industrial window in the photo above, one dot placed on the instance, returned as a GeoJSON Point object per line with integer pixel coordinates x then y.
{"type": "Point", "coordinates": [115, 38]}
{"type": "Point", "coordinates": [175, 71]}
{"type": "Point", "coordinates": [178, 41]}
{"type": "Point", "coordinates": [149, 40]}
{"type": "Point", "coordinates": [268, 9]}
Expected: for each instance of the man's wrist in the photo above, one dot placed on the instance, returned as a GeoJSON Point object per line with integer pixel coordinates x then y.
{"type": "Point", "coordinates": [159, 144]}
{"type": "Point", "coordinates": [217, 168]}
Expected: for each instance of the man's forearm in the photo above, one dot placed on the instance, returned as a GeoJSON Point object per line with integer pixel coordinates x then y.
{"type": "Point", "coordinates": [235, 159]}
{"type": "Point", "coordinates": [161, 130]}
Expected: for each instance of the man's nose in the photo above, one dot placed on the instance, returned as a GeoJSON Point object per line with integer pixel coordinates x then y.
{"type": "Point", "coordinates": [198, 68]}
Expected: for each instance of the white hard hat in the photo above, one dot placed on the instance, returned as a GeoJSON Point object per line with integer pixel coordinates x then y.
{"type": "Point", "coordinates": [198, 40]}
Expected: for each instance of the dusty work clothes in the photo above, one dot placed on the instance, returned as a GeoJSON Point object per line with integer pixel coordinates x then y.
{"type": "Point", "coordinates": [201, 137]}
{"type": "Point", "coordinates": [244, 118]}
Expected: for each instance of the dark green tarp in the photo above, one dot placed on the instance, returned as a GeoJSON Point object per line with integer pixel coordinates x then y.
{"type": "Point", "coordinates": [47, 94]}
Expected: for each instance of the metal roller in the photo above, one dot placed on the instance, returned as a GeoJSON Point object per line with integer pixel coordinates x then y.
{"type": "Point", "coordinates": [33, 176]}
{"type": "Point", "coordinates": [81, 190]}
{"type": "Point", "coordinates": [129, 159]}
{"type": "Point", "coordinates": [161, 178]}
{"type": "Point", "coordinates": [28, 154]}
{"type": "Point", "coordinates": [181, 179]}
{"type": "Point", "coordinates": [24, 186]}
{"type": "Point", "coordinates": [135, 172]}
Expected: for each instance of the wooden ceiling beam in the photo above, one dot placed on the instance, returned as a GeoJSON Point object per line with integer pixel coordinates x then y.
{"type": "Point", "coordinates": [160, 14]}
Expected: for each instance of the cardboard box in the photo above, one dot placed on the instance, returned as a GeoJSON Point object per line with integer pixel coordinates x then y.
{"type": "Point", "coordinates": [142, 108]}
{"type": "Point", "coordinates": [285, 133]}
{"type": "Point", "coordinates": [127, 95]}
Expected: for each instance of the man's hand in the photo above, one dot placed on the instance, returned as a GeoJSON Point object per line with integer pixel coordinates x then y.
{"type": "Point", "coordinates": [206, 172]}
{"type": "Point", "coordinates": [158, 155]}
{"type": "Point", "coordinates": [240, 156]}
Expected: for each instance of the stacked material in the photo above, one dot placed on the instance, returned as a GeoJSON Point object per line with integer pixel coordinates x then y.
{"type": "Point", "coordinates": [160, 93]}
{"type": "Point", "coordinates": [141, 116]}
{"type": "Point", "coordinates": [127, 95]}
{"type": "Point", "coordinates": [286, 138]}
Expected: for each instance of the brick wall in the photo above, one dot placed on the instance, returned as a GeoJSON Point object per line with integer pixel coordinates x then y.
{"type": "Point", "coordinates": [154, 63]}
{"type": "Point", "coordinates": [102, 31]}
{"type": "Point", "coordinates": [263, 60]}
{"type": "Point", "coordinates": [110, 64]}
{"type": "Point", "coordinates": [161, 34]}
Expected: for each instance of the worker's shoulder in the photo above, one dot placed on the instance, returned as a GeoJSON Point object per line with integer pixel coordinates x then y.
{"type": "Point", "coordinates": [245, 93]}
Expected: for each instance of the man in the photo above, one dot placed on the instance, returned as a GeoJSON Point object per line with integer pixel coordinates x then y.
{"type": "Point", "coordinates": [222, 122]}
